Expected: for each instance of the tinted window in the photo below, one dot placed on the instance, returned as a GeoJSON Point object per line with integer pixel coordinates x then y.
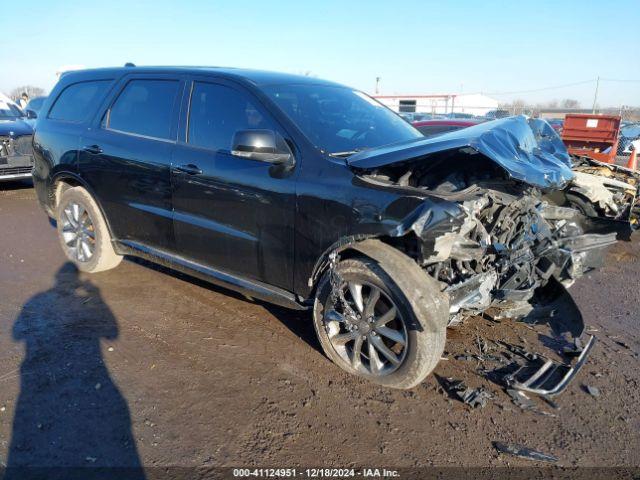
{"type": "Point", "coordinates": [339, 120]}
{"type": "Point", "coordinates": [77, 101]}
{"type": "Point", "coordinates": [217, 112]}
{"type": "Point", "coordinates": [430, 130]}
{"type": "Point", "coordinates": [145, 107]}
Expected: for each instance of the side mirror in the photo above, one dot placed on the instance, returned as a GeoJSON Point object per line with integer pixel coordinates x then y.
{"type": "Point", "coordinates": [260, 145]}
{"type": "Point", "coordinates": [31, 114]}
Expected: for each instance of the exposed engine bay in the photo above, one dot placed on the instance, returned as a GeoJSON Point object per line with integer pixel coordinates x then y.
{"type": "Point", "coordinates": [508, 242]}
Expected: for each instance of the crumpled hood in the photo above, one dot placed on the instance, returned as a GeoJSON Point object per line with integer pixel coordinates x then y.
{"type": "Point", "coordinates": [14, 127]}
{"type": "Point", "coordinates": [528, 149]}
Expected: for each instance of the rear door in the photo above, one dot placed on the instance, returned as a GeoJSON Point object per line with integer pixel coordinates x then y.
{"type": "Point", "coordinates": [232, 214]}
{"type": "Point", "coordinates": [125, 158]}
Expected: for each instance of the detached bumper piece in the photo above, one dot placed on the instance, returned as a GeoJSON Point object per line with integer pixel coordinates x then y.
{"type": "Point", "coordinates": [546, 377]}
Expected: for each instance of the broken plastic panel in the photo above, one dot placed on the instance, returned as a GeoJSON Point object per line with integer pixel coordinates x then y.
{"type": "Point", "coordinates": [546, 377]}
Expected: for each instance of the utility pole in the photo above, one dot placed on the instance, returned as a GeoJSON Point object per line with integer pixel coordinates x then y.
{"type": "Point", "coordinates": [377, 85]}
{"type": "Point", "coordinates": [595, 95]}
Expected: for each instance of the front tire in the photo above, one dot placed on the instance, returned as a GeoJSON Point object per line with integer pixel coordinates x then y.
{"type": "Point", "coordinates": [381, 320]}
{"type": "Point", "coordinates": [83, 232]}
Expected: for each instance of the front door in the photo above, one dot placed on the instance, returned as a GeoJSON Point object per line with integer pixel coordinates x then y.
{"type": "Point", "coordinates": [232, 214]}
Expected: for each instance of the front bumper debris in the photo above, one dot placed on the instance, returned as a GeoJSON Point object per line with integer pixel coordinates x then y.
{"type": "Point", "coordinates": [546, 377]}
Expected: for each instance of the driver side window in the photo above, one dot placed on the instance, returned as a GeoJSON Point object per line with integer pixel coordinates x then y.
{"type": "Point", "coordinates": [216, 112]}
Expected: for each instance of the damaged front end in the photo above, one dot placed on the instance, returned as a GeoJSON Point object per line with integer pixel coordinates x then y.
{"type": "Point", "coordinates": [511, 250]}
{"type": "Point", "coordinates": [509, 244]}
{"type": "Point", "coordinates": [508, 240]}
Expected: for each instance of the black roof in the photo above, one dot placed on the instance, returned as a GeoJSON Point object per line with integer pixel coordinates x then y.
{"type": "Point", "coordinates": [257, 77]}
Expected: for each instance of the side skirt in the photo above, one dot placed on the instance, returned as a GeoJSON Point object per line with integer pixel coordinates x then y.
{"type": "Point", "coordinates": [247, 287]}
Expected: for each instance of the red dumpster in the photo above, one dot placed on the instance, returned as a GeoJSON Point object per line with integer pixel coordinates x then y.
{"type": "Point", "coordinates": [593, 136]}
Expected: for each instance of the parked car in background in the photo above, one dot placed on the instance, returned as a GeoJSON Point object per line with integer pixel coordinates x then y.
{"type": "Point", "coordinates": [16, 152]}
{"type": "Point", "coordinates": [32, 109]}
{"type": "Point", "coordinates": [629, 133]}
{"type": "Point", "coordinates": [416, 116]}
{"type": "Point", "coordinates": [430, 128]}
{"type": "Point", "coordinates": [494, 114]}
{"type": "Point", "coordinates": [460, 115]}
{"type": "Point", "coordinates": [556, 123]}
{"type": "Point", "coordinates": [313, 196]}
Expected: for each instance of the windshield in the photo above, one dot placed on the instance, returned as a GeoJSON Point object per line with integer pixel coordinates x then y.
{"type": "Point", "coordinates": [338, 120]}
{"type": "Point", "coordinates": [9, 110]}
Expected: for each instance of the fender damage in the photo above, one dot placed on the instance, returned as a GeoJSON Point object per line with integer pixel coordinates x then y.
{"type": "Point", "coordinates": [506, 239]}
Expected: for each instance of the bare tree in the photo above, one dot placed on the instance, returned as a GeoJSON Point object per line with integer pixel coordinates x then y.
{"type": "Point", "coordinates": [30, 90]}
{"type": "Point", "coordinates": [570, 103]}
{"type": "Point", "coordinates": [518, 106]}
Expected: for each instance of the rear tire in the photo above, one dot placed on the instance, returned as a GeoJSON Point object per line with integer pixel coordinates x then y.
{"type": "Point", "coordinates": [83, 232]}
{"type": "Point", "coordinates": [420, 323]}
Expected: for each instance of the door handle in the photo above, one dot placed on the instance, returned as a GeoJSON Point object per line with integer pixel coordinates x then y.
{"type": "Point", "coordinates": [94, 149]}
{"type": "Point", "coordinates": [189, 169]}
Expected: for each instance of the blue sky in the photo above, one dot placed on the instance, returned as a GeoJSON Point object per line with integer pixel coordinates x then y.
{"type": "Point", "coordinates": [414, 46]}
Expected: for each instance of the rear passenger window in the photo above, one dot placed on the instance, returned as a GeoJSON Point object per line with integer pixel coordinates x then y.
{"type": "Point", "coordinates": [77, 101]}
{"type": "Point", "coordinates": [217, 112]}
{"type": "Point", "coordinates": [145, 107]}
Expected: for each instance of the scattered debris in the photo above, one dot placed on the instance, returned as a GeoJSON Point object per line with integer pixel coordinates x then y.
{"type": "Point", "coordinates": [593, 391]}
{"type": "Point", "coordinates": [574, 350]}
{"type": "Point", "coordinates": [483, 346]}
{"type": "Point", "coordinates": [521, 351]}
{"type": "Point", "coordinates": [110, 349]}
{"type": "Point", "coordinates": [91, 459]}
{"type": "Point", "coordinates": [622, 344]}
{"type": "Point", "coordinates": [98, 386]}
{"type": "Point", "coordinates": [520, 399]}
{"type": "Point", "coordinates": [523, 452]}
{"type": "Point", "coordinates": [467, 358]}
{"type": "Point", "coordinates": [474, 397]}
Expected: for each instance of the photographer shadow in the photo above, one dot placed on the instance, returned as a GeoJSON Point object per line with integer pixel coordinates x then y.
{"type": "Point", "coordinates": [69, 415]}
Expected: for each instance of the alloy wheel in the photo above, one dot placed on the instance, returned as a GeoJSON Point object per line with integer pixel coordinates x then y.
{"type": "Point", "coordinates": [78, 232]}
{"type": "Point", "coordinates": [366, 329]}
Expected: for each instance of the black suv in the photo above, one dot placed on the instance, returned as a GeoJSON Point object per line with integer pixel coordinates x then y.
{"type": "Point", "coordinates": [311, 195]}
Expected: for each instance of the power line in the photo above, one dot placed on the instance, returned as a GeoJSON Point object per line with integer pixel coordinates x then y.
{"type": "Point", "coordinates": [618, 80]}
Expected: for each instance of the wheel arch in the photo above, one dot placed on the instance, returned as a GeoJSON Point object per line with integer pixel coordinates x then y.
{"type": "Point", "coordinates": [353, 246]}
{"type": "Point", "coordinates": [382, 251]}
{"type": "Point", "coordinates": [65, 180]}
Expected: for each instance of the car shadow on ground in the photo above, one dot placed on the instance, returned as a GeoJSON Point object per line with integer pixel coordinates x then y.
{"type": "Point", "coordinates": [69, 414]}
{"type": "Point", "coordinates": [299, 322]}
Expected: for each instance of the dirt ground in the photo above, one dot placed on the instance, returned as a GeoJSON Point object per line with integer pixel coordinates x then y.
{"type": "Point", "coordinates": [139, 366]}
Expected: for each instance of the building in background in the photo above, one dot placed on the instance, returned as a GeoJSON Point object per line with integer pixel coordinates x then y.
{"type": "Point", "coordinates": [471, 104]}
